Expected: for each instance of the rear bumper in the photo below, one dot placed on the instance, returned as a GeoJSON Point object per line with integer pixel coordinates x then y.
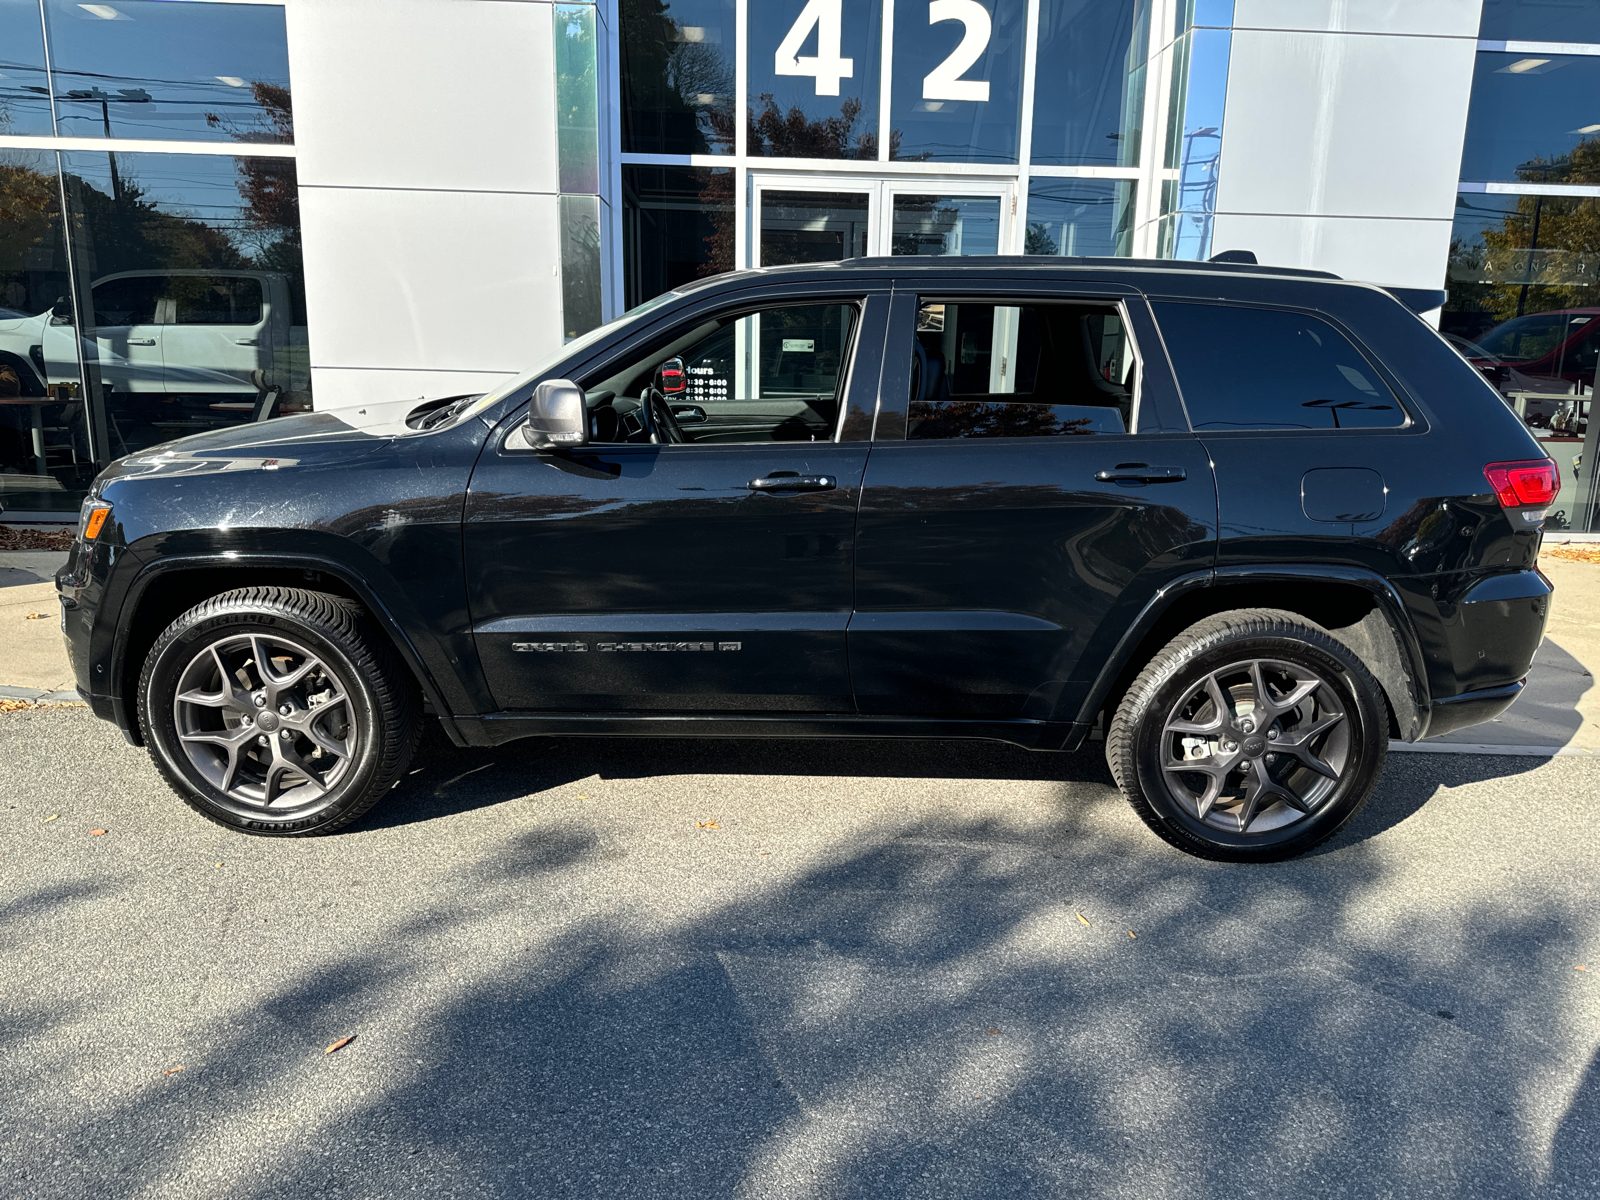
{"type": "Point", "coordinates": [1471, 708]}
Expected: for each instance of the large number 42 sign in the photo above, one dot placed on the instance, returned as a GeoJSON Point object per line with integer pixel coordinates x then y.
{"type": "Point", "coordinates": [828, 66]}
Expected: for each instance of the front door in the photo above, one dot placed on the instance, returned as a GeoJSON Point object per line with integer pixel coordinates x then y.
{"type": "Point", "coordinates": [710, 574]}
{"type": "Point", "coordinates": [1032, 484]}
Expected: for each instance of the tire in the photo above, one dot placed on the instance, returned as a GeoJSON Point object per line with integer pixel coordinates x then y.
{"type": "Point", "coordinates": [304, 747]}
{"type": "Point", "coordinates": [1185, 748]}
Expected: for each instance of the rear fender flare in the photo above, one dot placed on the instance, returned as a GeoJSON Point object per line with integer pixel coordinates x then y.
{"type": "Point", "coordinates": [1400, 667]}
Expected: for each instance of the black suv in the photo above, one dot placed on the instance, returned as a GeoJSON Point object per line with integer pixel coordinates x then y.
{"type": "Point", "coordinates": [1250, 523]}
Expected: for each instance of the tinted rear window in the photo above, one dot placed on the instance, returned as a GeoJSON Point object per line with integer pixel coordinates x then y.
{"type": "Point", "coordinates": [1260, 368]}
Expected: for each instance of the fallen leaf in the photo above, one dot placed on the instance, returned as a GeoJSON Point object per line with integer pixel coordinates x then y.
{"type": "Point", "coordinates": [219, 864]}
{"type": "Point", "coordinates": [1082, 920]}
{"type": "Point", "coordinates": [34, 617]}
{"type": "Point", "coordinates": [51, 817]}
{"type": "Point", "coordinates": [97, 833]}
{"type": "Point", "coordinates": [581, 796]}
{"type": "Point", "coordinates": [711, 824]}
{"type": "Point", "coordinates": [1132, 934]}
{"type": "Point", "coordinates": [340, 1044]}
{"type": "Point", "coordinates": [173, 1071]}
{"type": "Point", "coordinates": [991, 1031]}
{"type": "Point", "coordinates": [1581, 967]}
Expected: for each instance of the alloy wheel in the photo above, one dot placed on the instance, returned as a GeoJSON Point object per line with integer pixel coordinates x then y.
{"type": "Point", "coordinates": [1256, 746]}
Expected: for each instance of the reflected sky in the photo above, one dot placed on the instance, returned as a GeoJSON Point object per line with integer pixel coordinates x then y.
{"type": "Point", "coordinates": [177, 72]}
{"type": "Point", "coordinates": [1541, 20]}
{"type": "Point", "coordinates": [974, 116]}
{"type": "Point", "coordinates": [1080, 101]}
{"type": "Point", "coordinates": [23, 110]}
{"type": "Point", "coordinates": [1527, 107]}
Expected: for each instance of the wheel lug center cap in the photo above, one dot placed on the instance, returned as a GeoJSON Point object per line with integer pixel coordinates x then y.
{"type": "Point", "coordinates": [1255, 745]}
{"type": "Point", "coordinates": [267, 720]}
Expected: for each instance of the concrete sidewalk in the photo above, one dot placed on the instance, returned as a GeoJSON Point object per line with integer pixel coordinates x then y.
{"type": "Point", "coordinates": [1559, 712]}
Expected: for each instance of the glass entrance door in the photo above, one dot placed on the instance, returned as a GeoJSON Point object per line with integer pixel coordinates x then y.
{"type": "Point", "coordinates": [811, 219]}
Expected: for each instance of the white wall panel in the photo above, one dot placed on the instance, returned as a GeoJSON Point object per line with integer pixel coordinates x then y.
{"type": "Point", "coordinates": [424, 94]}
{"type": "Point", "coordinates": [1338, 124]}
{"type": "Point", "coordinates": [1396, 253]}
{"type": "Point", "coordinates": [453, 281]}
{"type": "Point", "coordinates": [1448, 18]}
{"type": "Point", "coordinates": [340, 387]}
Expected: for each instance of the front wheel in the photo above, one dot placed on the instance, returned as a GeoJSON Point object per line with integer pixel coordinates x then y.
{"type": "Point", "coordinates": [1250, 737]}
{"type": "Point", "coordinates": [277, 711]}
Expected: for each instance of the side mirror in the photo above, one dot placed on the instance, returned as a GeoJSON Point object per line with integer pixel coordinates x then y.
{"type": "Point", "coordinates": [61, 311]}
{"type": "Point", "coordinates": [557, 417]}
{"type": "Point", "coordinates": [672, 378]}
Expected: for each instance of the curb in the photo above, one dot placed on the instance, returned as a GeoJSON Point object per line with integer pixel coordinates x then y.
{"type": "Point", "coordinates": [1483, 748]}
{"type": "Point", "coordinates": [39, 696]}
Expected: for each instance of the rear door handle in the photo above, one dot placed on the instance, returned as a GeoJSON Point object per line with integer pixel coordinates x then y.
{"type": "Point", "coordinates": [141, 341]}
{"type": "Point", "coordinates": [794, 483]}
{"type": "Point", "coordinates": [1140, 473]}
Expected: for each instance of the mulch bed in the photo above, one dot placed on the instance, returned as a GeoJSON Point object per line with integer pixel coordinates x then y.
{"type": "Point", "coordinates": [1588, 554]}
{"type": "Point", "coordinates": [12, 538]}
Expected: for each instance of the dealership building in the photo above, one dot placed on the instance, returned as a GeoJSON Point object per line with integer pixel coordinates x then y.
{"type": "Point", "coordinates": [214, 211]}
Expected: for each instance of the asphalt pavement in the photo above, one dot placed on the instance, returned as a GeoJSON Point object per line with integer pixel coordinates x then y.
{"type": "Point", "coordinates": [717, 969]}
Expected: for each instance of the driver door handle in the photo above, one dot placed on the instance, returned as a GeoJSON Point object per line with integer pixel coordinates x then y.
{"type": "Point", "coordinates": [794, 483]}
{"type": "Point", "coordinates": [1141, 473]}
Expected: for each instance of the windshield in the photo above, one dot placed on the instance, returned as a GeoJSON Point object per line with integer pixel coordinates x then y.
{"type": "Point", "coordinates": [1525, 338]}
{"type": "Point", "coordinates": [583, 342]}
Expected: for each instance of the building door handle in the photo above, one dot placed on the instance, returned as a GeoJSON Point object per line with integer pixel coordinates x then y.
{"type": "Point", "coordinates": [1141, 473]}
{"type": "Point", "coordinates": [247, 341]}
{"type": "Point", "coordinates": [788, 481]}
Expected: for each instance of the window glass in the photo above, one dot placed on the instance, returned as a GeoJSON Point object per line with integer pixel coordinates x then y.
{"type": "Point", "coordinates": [1257, 368]}
{"type": "Point", "coordinates": [1089, 218]}
{"type": "Point", "coordinates": [1088, 101]}
{"type": "Point", "coordinates": [812, 227]}
{"type": "Point", "coordinates": [677, 226]}
{"type": "Point", "coordinates": [1533, 118]}
{"type": "Point", "coordinates": [677, 63]}
{"type": "Point", "coordinates": [946, 225]}
{"type": "Point", "coordinates": [128, 299]}
{"type": "Point", "coordinates": [772, 376]}
{"type": "Point", "coordinates": [824, 104]}
{"type": "Point", "coordinates": [957, 89]}
{"type": "Point", "coordinates": [214, 300]}
{"type": "Point", "coordinates": [193, 263]}
{"type": "Point", "coordinates": [178, 72]}
{"type": "Point", "coordinates": [580, 265]}
{"type": "Point", "coordinates": [37, 349]}
{"type": "Point", "coordinates": [1046, 370]}
{"type": "Point", "coordinates": [24, 97]}
{"type": "Point", "coordinates": [577, 98]}
{"type": "Point", "coordinates": [1541, 20]}
{"type": "Point", "coordinates": [1524, 309]}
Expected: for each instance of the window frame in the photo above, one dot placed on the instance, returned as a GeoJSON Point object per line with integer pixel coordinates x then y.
{"type": "Point", "coordinates": [853, 422]}
{"type": "Point", "coordinates": [1403, 398]}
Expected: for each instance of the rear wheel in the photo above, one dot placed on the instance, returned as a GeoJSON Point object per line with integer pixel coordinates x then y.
{"type": "Point", "coordinates": [1250, 737]}
{"type": "Point", "coordinates": [277, 711]}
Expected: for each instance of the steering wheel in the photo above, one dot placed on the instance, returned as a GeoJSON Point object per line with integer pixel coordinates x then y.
{"type": "Point", "coordinates": [658, 420]}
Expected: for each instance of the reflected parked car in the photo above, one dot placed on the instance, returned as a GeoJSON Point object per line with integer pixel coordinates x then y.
{"type": "Point", "coordinates": [1549, 352]}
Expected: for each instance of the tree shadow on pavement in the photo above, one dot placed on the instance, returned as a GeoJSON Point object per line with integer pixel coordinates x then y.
{"type": "Point", "coordinates": [936, 1002]}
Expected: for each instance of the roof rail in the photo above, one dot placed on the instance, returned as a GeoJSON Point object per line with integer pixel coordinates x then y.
{"type": "Point", "coordinates": [979, 262]}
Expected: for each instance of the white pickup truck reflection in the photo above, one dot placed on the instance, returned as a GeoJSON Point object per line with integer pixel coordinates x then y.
{"type": "Point", "coordinates": [175, 332]}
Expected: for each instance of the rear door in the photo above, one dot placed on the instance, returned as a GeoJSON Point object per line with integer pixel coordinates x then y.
{"type": "Point", "coordinates": [707, 577]}
{"type": "Point", "coordinates": [1032, 485]}
{"type": "Point", "coordinates": [216, 334]}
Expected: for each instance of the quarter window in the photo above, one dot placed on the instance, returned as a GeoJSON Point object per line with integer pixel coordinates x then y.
{"type": "Point", "coordinates": [1044, 370]}
{"type": "Point", "coordinates": [1259, 368]}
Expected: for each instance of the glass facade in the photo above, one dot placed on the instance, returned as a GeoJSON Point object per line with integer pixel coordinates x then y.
{"type": "Point", "coordinates": [143, 295]}
{"type": "Point", "coordinates": [918, 127]}
{"type": "Point", "coordinates": [1524, 268]}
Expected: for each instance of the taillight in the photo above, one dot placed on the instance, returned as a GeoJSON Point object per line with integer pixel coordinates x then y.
{"type": "Point", "coordinates": [1528, 487]}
